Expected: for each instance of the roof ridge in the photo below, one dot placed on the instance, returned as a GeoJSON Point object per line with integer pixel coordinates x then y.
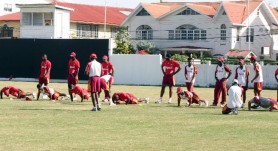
{"type": "Point", "coordinates": [59, 3]}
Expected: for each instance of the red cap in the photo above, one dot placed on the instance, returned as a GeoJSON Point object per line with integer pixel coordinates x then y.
{"type": "Point", "coordinates": [179, 90]}
{"type": "Point", "coordinates": [220, 58]}
{"type": "Point", "coordinates": [73, 54]}
{"type": "Point", "coordinates": [241, 61]}
{"type": "Point", "coordinates": [253, 58]}
{"type": "Point", "coordinates": [93, 56]}
{"type": "Point", "coordinates": [256, 98]}
{"type": "Point", "coordinates": [105, 57]}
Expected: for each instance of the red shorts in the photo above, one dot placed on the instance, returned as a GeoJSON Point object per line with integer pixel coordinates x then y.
{"type": "Point", "coordinates": [258, 86]}
{"type": "Point", "coordinates": [43, 80]}
{"type": "Point", "coordinates": [189, 86]}
{"type": "Point", "coordinates": [22, 95]}
{"type": "Point", "coordinates": [55, 96]}
{"type": "Point", "coordinates": [168, 80]}
{"type": "Point", "coordinates": [95, 84]}
{"type": "Point", "coordinates": [226, 110]}
{"type": "Point", "coordinates": [72, 80]}
{"type": "Point", "coordinates": [104, 85]}
{"type": "Point", "coordinates": [195, 98]}
{"type": "Point", "coordinates": [275, 103]}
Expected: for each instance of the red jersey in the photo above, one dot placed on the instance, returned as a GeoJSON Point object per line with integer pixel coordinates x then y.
{"type": "Point", "coordinates": [276, 72]}
{"type": "Point", "coordinates": [78, 90]}
{"type": "Point", "coordinates": [106, 68]}
{"type": "Point", "coordinates": [170, 66]}
{"type": "Point", "coordinates": [45, 65]}
{"type": "Point", "coordinates": [10, 90]}
{"type": "Point", "coordinates": [126, 97]}
{"type": "Point", "coordinates": [74, 65]}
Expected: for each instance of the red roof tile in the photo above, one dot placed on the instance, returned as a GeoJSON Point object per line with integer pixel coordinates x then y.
{"type": "Point", "coordinates": [10, 17]}
{"type": "Point", "coordinates": [238, 53]}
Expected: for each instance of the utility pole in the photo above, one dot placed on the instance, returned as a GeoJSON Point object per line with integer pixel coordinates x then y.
{"type": "Point", "coordinates": [248, 26]}
{"type": "Point", "coordinates": [105, 20]}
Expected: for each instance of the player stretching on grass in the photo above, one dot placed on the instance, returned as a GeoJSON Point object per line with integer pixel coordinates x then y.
{"type": "Point", "coordinates": [16, 92]}
{"type": "Point", "coordinates": [73, 71]}
{"type": "Point", "coordinates": [128, 98]}
{"type": "Point", "coordinates": [191, 97]}
{"type": "Point", "coordinates": [51, 93]}
{"type": "Point", "coordinates": [267, 103]}
{"type": "Point", "coordinates": [83, 93]}
{"type": "Point", "coordinates": [169, 68]}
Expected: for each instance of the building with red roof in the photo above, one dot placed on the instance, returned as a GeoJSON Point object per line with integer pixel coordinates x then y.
{"type": "Point", "coordinates": [217, 26]}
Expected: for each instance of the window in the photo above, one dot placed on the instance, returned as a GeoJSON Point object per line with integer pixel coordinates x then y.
{"type": "Point", "coordinates": [114, 31]}
{"type": "Point", "coordinates": [37, 19]}
{"type": "Point", "coordinates": [8, 7]}
{"type": "Point", "coordinates": [6, 31]}
{"type": "Point", "coordinates": [27, 19]}
{"type": "Point", "coordinates": [251, 35]}
{"type": "Point", "coordinates": [223, 32]}
{"type": "Point", "coordinates": [187, 32]}
{"type": "Point", "coordinates": [143, 12]}
{"type": "Point", "coordinates": [48, 19]}
{"type": "Point", "coordinates": [224, 13]}
{"type": "Point", "coordinates": [188, 11]}
{"type": "Point", "coordinates": [88, 31]}
{"type": "Point", "coordinates": [237, 33]}
{"type": "Point", "coordinates": [258, 12]}
{"type": "Point", "coordinates": [144, 32]}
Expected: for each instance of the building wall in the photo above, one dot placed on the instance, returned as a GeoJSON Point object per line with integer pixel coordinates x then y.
{"type": "Point", "coordinates": [15, 25]}
{"type": "Point", "coordinates": [145, 70]}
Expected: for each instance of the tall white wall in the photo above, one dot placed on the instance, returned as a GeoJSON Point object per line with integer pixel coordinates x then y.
{"type": "Point", "coordinates": [146, 70]}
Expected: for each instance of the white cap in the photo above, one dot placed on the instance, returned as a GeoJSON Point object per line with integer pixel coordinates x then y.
{"type": "Point", "coordinates": [235, 81]}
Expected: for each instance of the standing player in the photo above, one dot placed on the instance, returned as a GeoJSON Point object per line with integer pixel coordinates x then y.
{"type": "Point", "coordinates": [190, 72]}
{"type": "Point", "coordinates": [258, 79]}
{"type": "Point", "coordinates": [45, 71]}
{"type": "Point", "coordinates": [16, 92]}
{"type": "Point", "coordinates": [267, 103]}
{"type": "Point", "coordinates": [169, 68]}
{"type": "Point", "coordinates": [73, 71]}
{"type": "Point", "coordinates": [83, 93]}
{"type": "Point", "coordinates": [220, 86]}
{"type": "Point", "coordinates": [242, 75]}
{"type": "Point", "coordinates": [234, 101]}
{"type": "Point", "coordinates": [276, 77]}
{"type": "Point", "coordinates": [192, 97]}
{"type": "Point", "coordinates": [128, 98]}
{"type": "Point", "coordinates": [107, 69]}
{"type": "Point", "coordinates": [93, 69]}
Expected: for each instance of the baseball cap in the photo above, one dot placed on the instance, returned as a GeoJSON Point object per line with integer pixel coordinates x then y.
{"type": "Point", "coordinates": [241, 60]}
{"type": "Point", "coordinates": [105, 57]}
{"type": "Point", "coordinates": [220, 58]}
{"type": "Point", "coordinates": [256, 98]}
{"type": "Point", "coordinates": [73, 54]}
{"type": "Point", "coordinates": [253, 58]}
{"type": "Point", "coordinates": [179, 90]}
{"type": "Point", "coordinates": [168, 56]}
{"type": "Point", "coordinates": [93, 55]}
{"type": "Point", "coordinates": [235, 81]}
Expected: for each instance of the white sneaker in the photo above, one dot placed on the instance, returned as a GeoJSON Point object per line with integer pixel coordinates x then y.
{"type": "Point", "coordinates": [207, 103]}
{"type": "Point", "coordinates": [112, 104]}
{"type": "Point", "coordinates": [34, 94]}
{"type": "Point", "coordinates": [94, 109]}
{"type": "Point", "coordinates": [45, 97]}
{"type": "Point", "coordinates": [169, 101]}
{"type": "Point", "coordinates": [105, 100]}
{"type": "Point", "coordinates": [75, 98]}
{"type": "Point", "coordinates": [99, 107]}
{"type": "Point", "coordinates": [159, 101]}
{"type": "Point", "coordinates": [147, 100]}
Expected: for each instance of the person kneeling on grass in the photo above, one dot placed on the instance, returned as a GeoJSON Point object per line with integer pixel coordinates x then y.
{"type": "Point", "coordinates": [192, 97]}
{"type": "Point", "coordinates": [16, 92]}
{"type": "Point", "coordinates": [128, 98]}
{"type": "Point", "coordinates": [51, 93]}
{"type": "Point", "coordinates": [234, 101]}
{"type": "Point", "coordinates": [83, 93]}
{"type": "Point", "coordinates": [267, 103]}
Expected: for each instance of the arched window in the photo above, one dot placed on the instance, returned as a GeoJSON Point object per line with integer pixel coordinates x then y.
{"type": "Point", "coordinates": [187, 32]}
{"type": "Point", "coordinates": [223, 31]}
{"type": "Point", "coordinates": [144, 32]}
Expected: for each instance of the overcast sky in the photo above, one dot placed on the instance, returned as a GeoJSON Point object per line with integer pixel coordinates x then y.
{"type": "Point", "coordinates": [134, 3]}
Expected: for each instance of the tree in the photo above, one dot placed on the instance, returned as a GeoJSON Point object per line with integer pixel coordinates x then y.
{"type": "Point", "coordinates": [147, 46]}
{"type": "Point", "coordinates": [123, 42]}
{"type": "Point", "coordinates": [276, 8]}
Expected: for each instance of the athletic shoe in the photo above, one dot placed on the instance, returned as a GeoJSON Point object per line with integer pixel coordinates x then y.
{"type": "Point", "coordinates": [169, 101]}
{"type": "Point", "coordinates": [235, 111]}
{"type": "Point", "coordinates": [34, 94]}
{"type": "Point", "coordinates": [105, 100]}
{"type": "Point", "coordinates": [112, 104]}
{"type": "Point", "coordinates": [94, 109]}
{"type": "Point", "coordinates": [243, 106]}
{"type": "Point", "coordinates": [99, 107]}
{"type": "Point", "coordinates": [159, 101]}
{"type": "Point", "coordinates": [147, 100]}
{"type": "Point", "coordinates": [207, 103]}
{"type": "Point", "coordinates": [75, 98]}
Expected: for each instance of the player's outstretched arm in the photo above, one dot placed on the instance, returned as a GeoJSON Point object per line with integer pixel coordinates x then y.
{"type": "Point", "coordinates": [82, 97]}
{"type": "Point", "coordinates": [1, 95]}
{"type": "Point", "coordinates": [38, 95]}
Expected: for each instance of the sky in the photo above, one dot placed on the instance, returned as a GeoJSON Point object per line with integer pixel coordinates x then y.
{"type": "Point", "coordinates": [134, 3]}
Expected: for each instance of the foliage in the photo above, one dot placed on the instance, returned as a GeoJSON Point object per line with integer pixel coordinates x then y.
{"type": "Point", "coordinates": [181, 58]}
{"type": "Point", "coordinates": [147, 46]}
{"type": "Point", "coordinates": [123, 42]}
{"type": "Point", "coordinates": [276, 8]}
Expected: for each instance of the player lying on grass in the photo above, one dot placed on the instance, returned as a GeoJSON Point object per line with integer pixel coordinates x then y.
{"type": "Point", "coordinates": [128, 98]}
{"type": "Point", "coordinates": [234, 101]}
{"type": "Point", "coordinates": [16, 92]}
{"type": "Point", "coordinates": [51, 93]}
{"type": "Point", "coordinates": [191, 97]}
{"type": "Point", "coordinates": [83, 93]}
{"type": "Point", "coordinates": [267, 103]}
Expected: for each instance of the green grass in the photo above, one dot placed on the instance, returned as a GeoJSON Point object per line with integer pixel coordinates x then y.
{"type": "Point", "coordinates": [62, 125]}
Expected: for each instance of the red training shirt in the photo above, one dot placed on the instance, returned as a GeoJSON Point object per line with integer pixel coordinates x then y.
{"type": "Point", "coordinates": [106, 68]}
{"type": "Point", "coordinates": [170, 66]}
{"type": "Point", "coordinates": [74, 65]}
{"type": "Point", "coordinates": [45, 65]}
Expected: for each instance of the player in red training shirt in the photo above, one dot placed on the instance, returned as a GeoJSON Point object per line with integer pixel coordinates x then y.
{"type": "Point", "coordinates": [169, 68]}
{"type": "Point", "coordinates": [45, 71]}
{"type": "Point", "coordinates": [73, 71]}
{"type": "Point", "coordinates": [192, 97]}
{"type": "Point", "coordinates": [51, 93]}
{"type": "Point", "coordinates": [107, 67]}
{"type": "Point", "coordinates": [83, 93]}
{"type": "Point", "coordinates": [128, 98]}
{"type": "Point", "coordinates": [16, 92]}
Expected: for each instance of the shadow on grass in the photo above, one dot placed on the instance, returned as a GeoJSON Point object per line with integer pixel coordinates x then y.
{"type": "Point", "coordinates": [55, 109]}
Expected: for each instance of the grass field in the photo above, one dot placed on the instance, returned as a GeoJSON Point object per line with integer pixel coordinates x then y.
{"type": "Point", "coordinates": [62, 125]}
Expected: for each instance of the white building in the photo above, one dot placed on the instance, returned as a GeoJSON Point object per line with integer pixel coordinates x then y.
{"type": "Point", "coordinates": [207, 26]}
